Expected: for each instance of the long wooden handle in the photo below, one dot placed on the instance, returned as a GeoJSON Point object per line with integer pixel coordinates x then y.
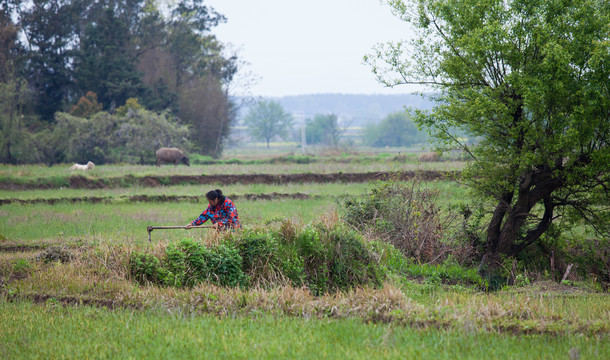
{"type": "Point", "coordinates": [151, 228]}
{"type": "Point", "coordinates": [177, 227]}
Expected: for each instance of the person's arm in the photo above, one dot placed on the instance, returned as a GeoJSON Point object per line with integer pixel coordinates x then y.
{"type": "Point", "coordinates": [205, 215]}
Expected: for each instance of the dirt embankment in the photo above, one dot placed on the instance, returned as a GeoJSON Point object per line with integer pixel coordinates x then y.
{"type": "Point", "coordinates": [152, 198]}
{"type": "Point", "coordinates": [82, 182]}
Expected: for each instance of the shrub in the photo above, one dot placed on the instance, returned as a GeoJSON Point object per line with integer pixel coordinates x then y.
{"type": "Point", "coordinates": [315, 261]}
{"type": "Point", "coordinates": [146, 268]}
{"type": "Point", "coordinates": [322, 257]}
{"type": "Point", "coordinates": [260, 255]}
{"type": "Point", "coordinates": [188, 263]}
{"type": "Point", "coordinates": [224, 266]}
{"type": "Point", "coordinates": [335, 258]}
{"type": "Point", "coordinates": [407, 216]}
{"type": "Point", "coordinates": [351, 263]}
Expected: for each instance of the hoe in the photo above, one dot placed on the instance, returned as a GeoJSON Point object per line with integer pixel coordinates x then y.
{"type": "Point", "coordinates": [151, 228]}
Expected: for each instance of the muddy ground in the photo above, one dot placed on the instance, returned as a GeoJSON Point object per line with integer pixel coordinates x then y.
{"type": "Point", "coordinates": [153, 198]}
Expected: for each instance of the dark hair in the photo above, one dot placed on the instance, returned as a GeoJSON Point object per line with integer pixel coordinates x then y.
{"type": "Point", "coordinates": [215, 194]}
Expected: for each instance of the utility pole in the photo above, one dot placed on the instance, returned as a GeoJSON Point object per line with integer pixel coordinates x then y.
{"type": "Point", "coordinates": [303, 139]}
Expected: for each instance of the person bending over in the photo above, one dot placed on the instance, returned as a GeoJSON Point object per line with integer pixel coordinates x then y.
{"type": "Point", "coordinates": [221, 211]}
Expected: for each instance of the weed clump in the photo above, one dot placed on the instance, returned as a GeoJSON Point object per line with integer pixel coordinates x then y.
{"type": "Point", "coordinates": [55, 253]}
{"type": "Point", "coordinates": [321, 257]}
{"type": "Point", "coordinates": [188, 263]}
{"type": "Point", "coordinates": [407, 216]}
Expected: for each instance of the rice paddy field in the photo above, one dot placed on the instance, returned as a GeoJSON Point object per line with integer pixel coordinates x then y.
{"type": "Point", "coordinates": [90, 307]}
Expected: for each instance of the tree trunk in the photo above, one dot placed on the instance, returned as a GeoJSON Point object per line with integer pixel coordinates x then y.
{"type": "Point", "coordinates": [507, 220]}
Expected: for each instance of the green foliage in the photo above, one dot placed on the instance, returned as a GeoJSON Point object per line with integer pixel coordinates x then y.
{"type": "Point", "coordinates": [188, 263]}
{"type": "Point", "coordinates": [167, 58]}
{"type": "Point", "coordinates": [131, 104]}
{"type": "Point", "coordinates": [257, 249]}
{"type": "Point", "coordinates": [528, 80]}
{"type": "Point", "coordinates": [325, 259]}
{"type": "Point", "coordinates": [334, 258]}
{"type": "Point", "coordinates": [21, 266]}
{"type": "Point", "coordinates": [323, 129]}
{"type": "Point", "coordinates": [394, 130]}
{"type": "Point", "coordinates": [106, 138]}
{"type": "Point", "coordinates": [105, 64]}
{"type": "Point", "coordinates": [224, 264]}
{"type": "Point", "coordinates": [268, 119]}
{"type": "Point", "coordinates": [315, 260]}
{"type": "Point", "coordinates": [16, 144]}
{"type": "Point", "coordinates": [146, 268]}
{"type": "Point", "coordinates": [140, 133]}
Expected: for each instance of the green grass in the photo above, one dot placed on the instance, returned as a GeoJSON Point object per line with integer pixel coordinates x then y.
{"type": "Point", "coordinates": [429, 315]}
{"type": "Point", "coordinates": [60, 172]}
{"type": "Point", "coordinates": [126, 223]}
{"type": "Point", "coordinates": [51, 331]}
{"type": "Point", "coordinates": [312, 189]}
{"type": "Point", "coordinates": [449, 190]}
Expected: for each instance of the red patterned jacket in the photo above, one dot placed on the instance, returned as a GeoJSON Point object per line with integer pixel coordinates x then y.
{"type": "Point", "coordinates": [225, 214]}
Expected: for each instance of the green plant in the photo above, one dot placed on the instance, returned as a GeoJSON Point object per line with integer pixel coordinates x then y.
{"type": "Point", "coordinates": [21, 266]}
{"type": "Point", "coordinates": [224, 265]}
{"type": "Point", "coordinates": [146, 268]}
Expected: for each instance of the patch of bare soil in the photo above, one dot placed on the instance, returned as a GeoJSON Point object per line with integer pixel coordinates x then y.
{"type": "Point", "coordinates": [73, 300]}
{"type": "Point", "coordinates": [552, 287]}
{"type": "Point", "coordinates": [20, 248]}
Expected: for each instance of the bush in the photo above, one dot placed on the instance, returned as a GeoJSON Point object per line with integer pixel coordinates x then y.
{"type": "Point", "coordinates": [224, 267]}
{"type": "Point", "coordinates": [188, 263]}
{"type": "Point", "coordinates": [146, 268]}
{"type": "Point", "coordinates": [334, 258]}
{"type": "Point", "coordinates": [323, 258]}
{"type": "Point", "coordinates": [261, 258]}
{"type": "Point", "coordinates": [407, 216]}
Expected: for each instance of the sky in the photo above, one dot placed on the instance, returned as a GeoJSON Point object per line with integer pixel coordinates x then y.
{"type": "Point", "coordinates": [307, 46]}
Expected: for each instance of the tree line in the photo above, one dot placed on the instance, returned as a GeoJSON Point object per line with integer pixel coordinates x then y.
{"type": "Point", "coordinates": [267, 120]}
{"type": "Point", "coordinates": [92, 73]}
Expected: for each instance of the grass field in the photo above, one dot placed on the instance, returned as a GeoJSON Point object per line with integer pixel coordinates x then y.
{"type": "Point", "coordinates": [90, 307]}
{"type": "Point", "coordinates": [50, 331]}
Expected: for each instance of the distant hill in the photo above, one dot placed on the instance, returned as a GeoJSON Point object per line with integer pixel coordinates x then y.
{"type": "Point", "coordinates": [355, 110]}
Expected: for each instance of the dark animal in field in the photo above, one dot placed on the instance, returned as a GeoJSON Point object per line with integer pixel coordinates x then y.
{"type": "Point", "coordinates": [171, 155]}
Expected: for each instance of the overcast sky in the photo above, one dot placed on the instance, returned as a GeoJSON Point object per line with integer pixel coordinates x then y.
{"type": "Point", "coordinates": [309, 46]}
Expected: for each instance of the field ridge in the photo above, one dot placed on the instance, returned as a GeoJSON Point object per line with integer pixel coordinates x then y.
{"type": "Point", "coordinates": [154, 198]}
{"type": "Point", "coordinates": [83, 182]}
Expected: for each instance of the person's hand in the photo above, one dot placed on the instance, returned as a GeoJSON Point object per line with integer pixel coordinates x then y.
{"type": "Point", "coordinates": [188, 226]}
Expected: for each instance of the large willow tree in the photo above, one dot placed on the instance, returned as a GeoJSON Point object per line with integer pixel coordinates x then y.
{"type": "Point", "coordinates": [530, 81]}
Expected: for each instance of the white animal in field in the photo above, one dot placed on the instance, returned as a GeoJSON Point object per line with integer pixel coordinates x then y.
{"type": "Point", "coordinates": [88, 166]}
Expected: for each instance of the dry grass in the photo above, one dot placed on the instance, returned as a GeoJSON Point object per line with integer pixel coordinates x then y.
{"type": "Point", "coordinates": [100, 275]}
